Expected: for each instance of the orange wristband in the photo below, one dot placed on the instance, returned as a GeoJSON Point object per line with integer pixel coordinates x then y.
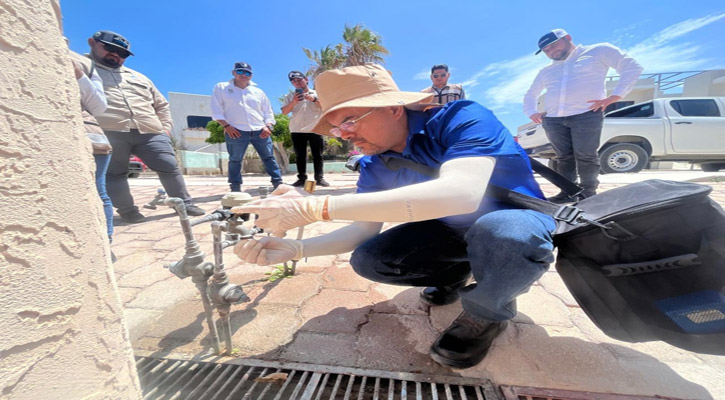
{"type": "Point", "coordinates": [325, 212]}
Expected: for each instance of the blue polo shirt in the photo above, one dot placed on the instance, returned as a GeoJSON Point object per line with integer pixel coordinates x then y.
{"type": "Point", "coordinates": [459, 129]}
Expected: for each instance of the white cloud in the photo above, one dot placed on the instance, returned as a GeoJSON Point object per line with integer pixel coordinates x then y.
{"type": "Point", "coordinates": [506, 81]}
{"type": "Point", "coordinates": [422, 75]}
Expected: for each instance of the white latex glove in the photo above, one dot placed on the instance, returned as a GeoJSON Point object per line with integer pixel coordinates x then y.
{"type": "Point", "coordinates": [269, 250]}
{"type": "Point", "coordinates": [280, 213]}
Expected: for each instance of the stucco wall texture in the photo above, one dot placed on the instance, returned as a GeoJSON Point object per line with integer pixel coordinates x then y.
{"type": "Point", "coordinates": [61, 327]}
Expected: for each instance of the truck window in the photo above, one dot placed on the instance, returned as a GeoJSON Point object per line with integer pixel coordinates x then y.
{"type": "Point", "coordinates": [643, 110]}
{"type": "Point", "coordinates": [696, 108]}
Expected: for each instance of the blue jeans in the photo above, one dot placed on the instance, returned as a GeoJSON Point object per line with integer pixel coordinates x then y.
{"type": "Point", "coordinates": [575, 140]}
{"type": "Point", "coordinates": [236, 149]}
{"type": "Point", "coordinates": [102, 161]}
{"type": "Point", "coordinates": [505, 250]}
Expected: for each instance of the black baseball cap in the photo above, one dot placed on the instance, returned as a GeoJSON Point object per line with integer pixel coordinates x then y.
{"type": "Point", "coordinates": [114, 39]}
{"type": "Point", "coordinates": [295, 75]}
{"type": "Point", "coordinates": [550, 38]}
{"type": "Point", "coordinates": [243, 66]}
{"type": "Point", "coordinates": [438, 66]}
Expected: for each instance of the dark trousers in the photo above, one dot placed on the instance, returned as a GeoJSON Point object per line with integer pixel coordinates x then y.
{"type": "Point", "coordinates": [575, 139]}
{"type": "Point", "coordinates": [505, 250]}
{"type": "Point", "coordinates": [155, 150]}
{"type": "Point", "coordinates": [299, 142]}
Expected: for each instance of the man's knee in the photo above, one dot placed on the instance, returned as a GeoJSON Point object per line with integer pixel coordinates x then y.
{"type": "Point", "coordinates": [366, 263]}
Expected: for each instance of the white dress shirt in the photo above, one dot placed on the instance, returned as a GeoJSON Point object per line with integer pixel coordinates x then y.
{"type": "Point", "coordinates": [572, 82]}
{"type": "Point", "coordinates": [246, 109]}
{"type": "Point", "coordinates": [93, 99]}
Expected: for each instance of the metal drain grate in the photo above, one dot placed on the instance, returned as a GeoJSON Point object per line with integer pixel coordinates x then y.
{"type": "Point", "coordinates": [163, 378]}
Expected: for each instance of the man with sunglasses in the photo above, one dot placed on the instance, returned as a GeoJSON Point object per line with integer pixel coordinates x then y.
{"type": "Point", "coordinates": [443, 92]}
{"type": "Point", "coordinates": [305, 109]}
{"type": "Point", "coordinates": [136, 121]}
{"type": "Point", "coordinates": [246, 114]}
{"type": "Point", "coordinates": [575, 99]}
{"type": "Point", "coordinates": [428, 169]}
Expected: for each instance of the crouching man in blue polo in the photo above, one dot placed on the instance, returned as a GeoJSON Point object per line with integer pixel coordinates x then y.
{"type": "Point", "coordinates": [427, 168]}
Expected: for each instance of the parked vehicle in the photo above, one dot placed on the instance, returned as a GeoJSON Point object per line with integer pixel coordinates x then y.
{"type": "Point", "coordinates": [666, 129]}
{"type": "Point", "coordinates": [135, 166]}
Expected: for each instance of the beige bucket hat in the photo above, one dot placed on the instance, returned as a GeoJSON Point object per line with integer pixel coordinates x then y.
{"type": "Point", "coordinates": [367, 85]}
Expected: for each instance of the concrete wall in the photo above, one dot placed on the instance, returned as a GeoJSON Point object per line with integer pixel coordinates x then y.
{"type": "Point", "coordinates": [61, 327]}
{"type": "Point", "coordinates": [183, 105]}
{"type": "Point", "coordinates": [706, 83]}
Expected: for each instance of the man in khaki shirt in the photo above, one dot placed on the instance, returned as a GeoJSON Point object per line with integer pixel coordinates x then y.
{"type": "Point", "coordinates": [137, 121]}
{"type": "Point", "coordinates": [306, 110]}
{"type": "Point", "coordinates": [443, 91]}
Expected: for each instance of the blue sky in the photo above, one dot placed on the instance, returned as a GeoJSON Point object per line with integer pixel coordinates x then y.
{"type": "Point", "coordinates": [188, 46]}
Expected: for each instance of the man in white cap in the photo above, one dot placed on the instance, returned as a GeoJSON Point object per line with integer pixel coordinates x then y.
{"type": "Point", "coordinates": [575, 101]}
{"type": "Point", "coordinates": [429, 169]}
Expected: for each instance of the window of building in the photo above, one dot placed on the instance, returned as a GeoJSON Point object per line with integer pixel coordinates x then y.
{"type": "Point", "coordinates": [696, 108]}
{"type": "Point", "coordinates": [643, 110]}
{"type": "Point", "coordinates": [196, 122]}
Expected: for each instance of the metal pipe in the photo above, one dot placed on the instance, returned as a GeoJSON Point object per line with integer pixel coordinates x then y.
{"type": "Point", "coordinates": [202, 286]}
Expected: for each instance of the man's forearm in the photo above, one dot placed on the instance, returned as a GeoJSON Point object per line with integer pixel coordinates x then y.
{"type": "Point", "coordinates": [341, 240]}
{"type": "Point", "coordinates": [459, 190]}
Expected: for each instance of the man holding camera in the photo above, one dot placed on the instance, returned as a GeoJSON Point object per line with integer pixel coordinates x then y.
{"type": "Point", "coordinates": [246, 115]}
{"type": "Point", "coordinates": [305, 109]}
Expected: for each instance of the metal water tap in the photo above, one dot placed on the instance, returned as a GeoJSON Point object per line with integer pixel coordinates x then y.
{"type": "Point", "coordinates": [159, 199]}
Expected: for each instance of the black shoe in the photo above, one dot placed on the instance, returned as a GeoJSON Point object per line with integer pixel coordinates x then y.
{"type": "Point", "coordinates": [235, 188]}
{"type": "Point", "coordinates": [275, 185]}
{"type": "Point", "coordinates": [466, 342]}
{"type": "Point", "coordinates": [194, 211]}
{"type": "Point", "coordinates": [133, 217]}
{"type": "Point", "coordinates": [323, 182]}
{"type": "Point", "coordinates": [563, 198]}
{"type": "Point", "coordinates": [441, 295]}
{"type": "Point", "coordinates": [299, 183]}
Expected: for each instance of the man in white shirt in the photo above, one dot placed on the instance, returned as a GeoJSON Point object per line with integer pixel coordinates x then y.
{"type": "Point", "coordinates": [306, 110]}
{"type": "Point", "coordinates": [246, 115]}
{"type": "Point", "coordinates": [575, 101]}
{"type": "Point", "coordinates": [443, 92]}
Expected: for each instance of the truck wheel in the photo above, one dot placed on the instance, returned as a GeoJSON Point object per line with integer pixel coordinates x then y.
{"type": "Point", "coordinates": [623, 157]}
{"type": "Point", "coordinates": [712, 167]}
{"type": "Point", "coordinates": [133, 174]}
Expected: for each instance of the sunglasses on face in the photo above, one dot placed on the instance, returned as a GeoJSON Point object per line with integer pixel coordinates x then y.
{"type": "Point", "coordinates": [242, 72]}
{"type": "Point", "coordinates": [114, 49]}
{"type": "Point", "coordinates": [348, 126]}
{"type": "Point", "coordinates": [297, 80]}
{"type": "Point", "coordinates": [443, 75]}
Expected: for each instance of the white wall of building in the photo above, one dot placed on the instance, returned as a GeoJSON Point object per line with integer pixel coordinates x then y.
{"type": "Point", "coordinates": [183, 105]}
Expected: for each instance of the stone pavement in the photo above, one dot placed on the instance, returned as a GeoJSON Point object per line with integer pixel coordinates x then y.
{"type": "Point", "coordinates": [328, 315]}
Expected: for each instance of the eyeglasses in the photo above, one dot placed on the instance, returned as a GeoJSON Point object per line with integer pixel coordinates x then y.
{"type": "Point", "coordinates": [348, 126]}
{"type": "Point", "coordinates": [443, 75]}
{"type": "Point", "coordinates": [123, 53]}
{"type": "Point", "coordinates": [242, 72]}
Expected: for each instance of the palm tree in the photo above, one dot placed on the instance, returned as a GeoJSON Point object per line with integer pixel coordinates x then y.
{"type": "Point", "coordinates": [327, 58]}
{"type": "Point", "coordinates": [363, 46]}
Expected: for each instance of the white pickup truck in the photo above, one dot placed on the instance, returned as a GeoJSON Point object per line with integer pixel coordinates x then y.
{"type": "Point", "coordinates": [665, 129]}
